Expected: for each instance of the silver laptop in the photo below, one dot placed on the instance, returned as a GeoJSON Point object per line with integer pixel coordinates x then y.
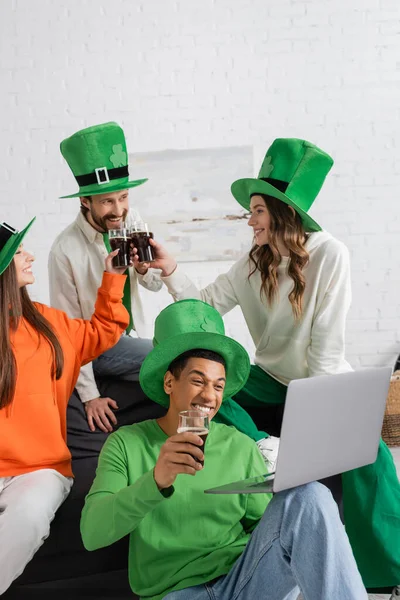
{"type": "Point", "coordinates": [331, 424]}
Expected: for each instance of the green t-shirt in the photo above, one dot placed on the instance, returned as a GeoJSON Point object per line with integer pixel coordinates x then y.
{"type": "Point", "coordinates": [183, 540]}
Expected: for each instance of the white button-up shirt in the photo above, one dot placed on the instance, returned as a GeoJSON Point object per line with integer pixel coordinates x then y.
{"type": "Point", "coordinates": [76, 266]}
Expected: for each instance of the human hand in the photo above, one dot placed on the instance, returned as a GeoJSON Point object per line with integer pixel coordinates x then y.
{"type": "Point", "coordinates": [177, 456]}
{"type": "Point", "coordinates": [141, 267]}
{"type": "Point", "coordinates": [99, 412]}
{"type": "Point", "coordinates": [116, 270]}
{"type": "Point", "coordinates": [162, 260]}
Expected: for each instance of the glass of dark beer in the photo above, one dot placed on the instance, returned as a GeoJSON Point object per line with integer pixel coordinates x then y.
{"type": "Point", "coordinates": [196, 422]}
{"type": "Point", "coordinates": [141, 236]}
{"type": "Point", "coordinates": [120, 239]}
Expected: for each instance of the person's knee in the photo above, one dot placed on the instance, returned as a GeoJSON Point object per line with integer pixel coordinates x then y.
{"type": "Point", "coordinates": [316, 500]}
{"type": "Point", "coordinates": [135, 349]}
{"type": "Point", "coordinates": [39, 498]}
{"type": "Point", "coordinates": [144, 347]}
{"type": "Point", "coordinates": [309, 495]}
{"type": "Point", "coordinates": [30, 516]}
{"type": "Point", "coordinates": [308, 503]}
{"type": "Point", "coordinates": [314, 492]}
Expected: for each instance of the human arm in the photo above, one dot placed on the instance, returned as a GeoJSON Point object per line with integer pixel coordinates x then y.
{"type": "Point", "coordinates": [113, 508]}
{"type": "Point", "coordinates": [64, 296]}
{"type": "Point", "coordinates": [150, 280]}
{"type": "Point", "coordinates": [108, 322]}
{"type": "Point", "coordinates": [220, 294]}
{"type": "Point", "coordinates": [146, 275]}
{"type": "Point", "coordinates": [326, 353]}
{"type": "Point", "coordinates": [127, 504]}
{"type": "Point", "coordinates": [90, 338]}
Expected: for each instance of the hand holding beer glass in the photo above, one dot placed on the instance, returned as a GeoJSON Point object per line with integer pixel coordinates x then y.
{"type": "Point", "coordinates": [120, 240]}
{"type": "Point", "coordinates": [137, 237]}
{"type": "Point", "coordinates": [141, 236]}
{"type": "Point", "coordinates": [195, 421]}
{"type": "Point", "coordinates": [181, 453]}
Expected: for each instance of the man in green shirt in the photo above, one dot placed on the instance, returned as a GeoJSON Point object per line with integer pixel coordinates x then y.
{"type": "Point", "coordinates": [187, 545]}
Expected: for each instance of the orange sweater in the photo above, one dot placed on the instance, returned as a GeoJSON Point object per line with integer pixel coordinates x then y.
{"type": "Point", "coordinates": [33, 426]}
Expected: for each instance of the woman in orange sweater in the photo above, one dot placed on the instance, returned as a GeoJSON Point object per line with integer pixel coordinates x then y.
{"type": "Point", "coordinates": [42, 351]}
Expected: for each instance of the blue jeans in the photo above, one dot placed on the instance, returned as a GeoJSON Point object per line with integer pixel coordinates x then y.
{"type": "Point", "coordinates": [299, 544]}
{"type": "Point", "coordinates": [124, 359]}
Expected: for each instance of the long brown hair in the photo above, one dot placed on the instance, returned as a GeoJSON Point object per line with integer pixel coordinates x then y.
{"type": "Point", "coordinates": [15, 304]}
{"type": "Point", "coordinates": [287, 227]}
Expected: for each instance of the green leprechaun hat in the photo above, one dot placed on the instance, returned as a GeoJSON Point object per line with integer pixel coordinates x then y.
{"type": "Point", "coordinates": [98, 158]}
{"type": "Point", "coordinates": [10, 241]}
{"type": "Point", "coordinates": [190, 325]}
{"type": "Point", "coordinates": [293, 171]}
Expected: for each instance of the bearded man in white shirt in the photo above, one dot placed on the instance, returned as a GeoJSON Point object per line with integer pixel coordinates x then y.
{"type": "Point", "coordinates": [98, 158]}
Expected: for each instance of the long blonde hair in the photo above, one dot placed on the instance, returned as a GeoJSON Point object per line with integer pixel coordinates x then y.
{"type": "Point", "coordinates": [286, 226]}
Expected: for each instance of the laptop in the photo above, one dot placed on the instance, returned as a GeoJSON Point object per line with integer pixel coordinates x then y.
{"type": "Point", "coordinates": [331, 424]}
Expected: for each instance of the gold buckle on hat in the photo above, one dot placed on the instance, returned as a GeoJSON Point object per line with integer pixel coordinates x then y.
{"type": "Point", "coordinates": [102, 175]}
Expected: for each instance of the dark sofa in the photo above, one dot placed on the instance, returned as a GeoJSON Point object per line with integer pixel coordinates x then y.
{"type": "Point", "coordinates": [62, 567]}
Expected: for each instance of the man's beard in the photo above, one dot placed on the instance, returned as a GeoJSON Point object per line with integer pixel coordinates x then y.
{"type": "Point", "coordinates": [102, 221]}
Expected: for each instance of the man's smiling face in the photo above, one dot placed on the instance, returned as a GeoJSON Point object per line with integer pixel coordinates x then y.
{"type": "Point", "coordinates": [199, 386]}
{"type": "Point", "coordinates": [107, 211]}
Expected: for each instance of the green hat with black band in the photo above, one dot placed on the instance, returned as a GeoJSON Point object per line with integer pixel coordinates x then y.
{"type": "Point", "coordinates": [10, 241]}
{"type": "Point", "coordinates": [98, 158]}
{"type": "Point", "coordinates": [293, 171]}
{"type": "Point", "coordinates": [190, 325]}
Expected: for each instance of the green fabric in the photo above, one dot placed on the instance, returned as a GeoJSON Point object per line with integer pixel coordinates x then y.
{"type": "Point", "coordinates": [184, 540]}
{"type": "Point", "coordinates": [261, 389]}
{"type": "Point", "coordinates": [259, 385]}
{"type": "Point", "coordinates": [7, 253]}
{"type": "Point", "coordinates": [189, 325]}
{"type": "Point", "coordinates": [98, 147]}
{"type": "Point", "coordinates": [371, 501]}
{"type": "Point", "coordinates": [371, 494]}
{"type": "Point", "coordinates": [295, 162]}
{"type": "Point", "coordinates": [126, 300]}
{"type": "Point", "coordinates": [231, 413]}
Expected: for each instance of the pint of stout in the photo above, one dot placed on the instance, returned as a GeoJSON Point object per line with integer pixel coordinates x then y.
{"type": "Point", "coordinates": [196, 422]}
{"type": "Point", "coordinates": [141, 236]}
{"type": "Point", "coordinates": [120, 240]}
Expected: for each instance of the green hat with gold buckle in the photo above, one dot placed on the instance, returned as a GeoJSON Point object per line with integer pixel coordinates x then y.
{"type": "Point", "coordinates": [190, 325]}
{"type": "Point", "coordinates": [98, 158]}
{"type": "Point", "coordinates": [293, 171]}
{"type": "Point", "coordinates": [10, 241]}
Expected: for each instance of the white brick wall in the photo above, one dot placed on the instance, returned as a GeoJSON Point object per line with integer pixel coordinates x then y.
{"type": "Point", "coordinates": [198, 74]}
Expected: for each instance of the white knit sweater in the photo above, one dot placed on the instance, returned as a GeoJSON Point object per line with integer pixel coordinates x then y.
{"type": "Point", "coordinates": [285, 348]}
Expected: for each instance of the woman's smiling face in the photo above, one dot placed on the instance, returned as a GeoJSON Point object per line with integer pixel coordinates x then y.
{"type": "Point", "coordinates": [260, 220]}
{"type": "Point", "coordinates": [23, 265]}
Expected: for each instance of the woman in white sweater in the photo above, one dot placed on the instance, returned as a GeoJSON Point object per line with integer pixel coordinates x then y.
{"type": "Point", "coordinates": [293, 288]}
{"type": "Point", "coordinates": [294, 291]}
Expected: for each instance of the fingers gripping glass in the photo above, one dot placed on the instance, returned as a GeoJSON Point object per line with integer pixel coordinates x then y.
{"type": "Point", "coordinates": [141, 237]}
{"type": "Point", "coordinates": [120, 239]}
